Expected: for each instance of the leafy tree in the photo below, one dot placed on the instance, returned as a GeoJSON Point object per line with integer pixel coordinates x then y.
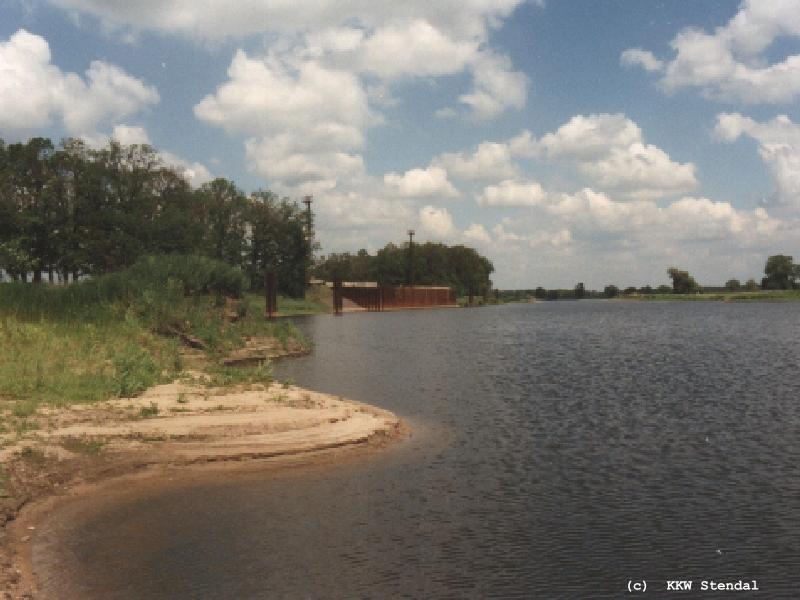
{"type": "Point", "coordinates": [664, 289]}
{"type": "Point", "coordinates": [580, 291]}
{"type": "Point", "coordinates": [647, 289]}
{"type": "Point", "coordinates": [540, 293]}
{"type": "Point", "coordinates": [733, 285]}
{"type": "Point", "coordinates": [434, 264]}
{"type": "Point", "coordinates": [81, 211]}
{"type": "Point", "coordinates": [780, 273]}
{"type": "Point", "coordinates": [611, 291]}
{"type": "Point", "coordinates": [682, 282]}
{"type": "Point", "coordinates": [751, 285]}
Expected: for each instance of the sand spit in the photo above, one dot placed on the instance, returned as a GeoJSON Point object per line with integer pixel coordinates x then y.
{"type": "Point", "coordinates": [169, 426]}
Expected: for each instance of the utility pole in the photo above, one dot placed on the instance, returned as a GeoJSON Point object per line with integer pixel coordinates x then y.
{"type": "Point", "coordinates": [411, 257]}
{"type": "Point", "coordinates": [309, 222]}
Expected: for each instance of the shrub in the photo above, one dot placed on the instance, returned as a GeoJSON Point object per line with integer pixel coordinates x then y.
{"type": "Point", "coordinates": [135, 371]}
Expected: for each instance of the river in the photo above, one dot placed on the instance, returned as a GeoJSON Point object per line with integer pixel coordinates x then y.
{"type": "Point", "coordinates": [560, 450]}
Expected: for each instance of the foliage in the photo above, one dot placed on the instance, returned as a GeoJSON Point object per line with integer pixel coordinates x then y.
{"type": "Point", "coordinates": [74, 211]}
{"type": "Point", "coordinates": [611, 291]}
{"type": "Point", "coordinates": [434, 264]}
{"type": "Point", "coordinates": [580, 291]}
{"type": "Point", "coordinates": [780, 273]}
{"type": "Point", "coordinates": [682, 282]}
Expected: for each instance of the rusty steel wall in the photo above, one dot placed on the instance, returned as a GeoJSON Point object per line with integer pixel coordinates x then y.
{"type": "Point", "coordinates": [391, 297]}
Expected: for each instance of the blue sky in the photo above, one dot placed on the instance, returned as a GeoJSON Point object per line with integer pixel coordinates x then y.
{"type": "Point", "coordinates": [568, 140]}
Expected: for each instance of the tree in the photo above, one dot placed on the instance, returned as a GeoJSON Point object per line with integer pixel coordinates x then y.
{"type": "Point", "coordinates": [781, 273]}
{"type": "Point", "coordinates": [611, 291]}
{"type": "Point", "coordinates": [751, 285]}
{"type": "Point", "coordinates": [580, 291]}
{"type": "Point", "coordinates": [540, 293]}
{"type": "Point", "coordinates": [647, 289]}
{"type": "Point", "coordinates": [733, 285]}
{"type": "Point", "coordinates": [682, 282]}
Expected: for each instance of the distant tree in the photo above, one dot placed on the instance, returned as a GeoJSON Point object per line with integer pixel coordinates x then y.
{"type": "Point", "coordinates": [682, 282]}
{"type": "Point", "coordinates": [781, 273]}
{"type": "Point", "coordinates": [733, 285]}
{"type": "Point", "coordinates": [629, 291]}
{"type": "Point", "coordinates": [664, 289]}
{"type": "Point", "coordinates": [552, 294]}
{"type": "Point", "coordinates": [611, 291]}
{"type": "Point", "coordinates": [540, 293]}
{"type": "Point", "coordinates": [750, 285]}
{"type": "Point", "coordinates": [580, 291]}
{"type": "Point", "coordinates": [647, 289]}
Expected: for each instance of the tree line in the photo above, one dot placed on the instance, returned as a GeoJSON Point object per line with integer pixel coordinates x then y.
{"type": "Point", "coordinates": [780, 273]}
{"type": "Point", "coordinates": [71, 211]}
{"type": "Point", "coordinates": [459, 267]}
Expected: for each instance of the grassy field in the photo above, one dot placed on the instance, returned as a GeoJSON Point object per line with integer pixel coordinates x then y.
{"type": "Point", "coordinates": [740, 296]}
{"type": "Point", "coordinates": [118, 335]}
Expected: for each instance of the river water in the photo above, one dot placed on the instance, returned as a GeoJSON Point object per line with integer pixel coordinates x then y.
{"type": "Point", "coordinates": [560, 450]}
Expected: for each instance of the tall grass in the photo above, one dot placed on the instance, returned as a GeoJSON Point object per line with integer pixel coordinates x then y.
{"type": "Point", "coordinates": [116, 335]}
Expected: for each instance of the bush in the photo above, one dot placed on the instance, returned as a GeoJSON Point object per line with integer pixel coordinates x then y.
{"type": "Point", "coordinates": [135, 371]}
{"type": "Point", "coordinates": [154, 283]}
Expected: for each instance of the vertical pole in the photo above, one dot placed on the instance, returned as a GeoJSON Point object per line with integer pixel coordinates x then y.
{"type": "Point", "coordinates": [337, 296]}
{"type": "Point", "coordinates": [411, 258]}
{"type": "Point", "coordinates": [309, 223]}
{"type": "Point", "coordinates": [271, 292]}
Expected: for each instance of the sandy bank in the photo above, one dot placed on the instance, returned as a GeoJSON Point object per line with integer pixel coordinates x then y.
{"type": "Point", "coordinates": [169, 427]}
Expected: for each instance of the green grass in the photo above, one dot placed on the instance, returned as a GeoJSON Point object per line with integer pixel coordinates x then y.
{"type": "Point", "coordinates": [287, 307]}
{"type": "Point", "coordinates": [117, 335]}
{"type": "Point", "coordinates": [59, 363]}
{"type": "Point", "coordinates": [739, 296]}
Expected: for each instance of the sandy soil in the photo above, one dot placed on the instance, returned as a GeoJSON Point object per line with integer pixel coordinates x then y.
{"type": "Point", "coordinates": [172, 426]}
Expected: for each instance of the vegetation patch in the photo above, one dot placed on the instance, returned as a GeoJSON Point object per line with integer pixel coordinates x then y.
{"type": "Point", "coordinates": [82, 445]}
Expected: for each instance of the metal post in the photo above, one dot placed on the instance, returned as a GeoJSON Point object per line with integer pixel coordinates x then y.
{"type": "Point", "coordinates": [411, 257]}
{"type": "Point", "coordinates": [337, 296]}
{"type": "Point", "coordinates": [271, 292]}
{"type": "Point", "coordinates": [309, 222]}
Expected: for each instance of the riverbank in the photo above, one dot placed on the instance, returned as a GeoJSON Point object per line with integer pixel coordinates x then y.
{"type": "Point", "coordinates": [182, 425]}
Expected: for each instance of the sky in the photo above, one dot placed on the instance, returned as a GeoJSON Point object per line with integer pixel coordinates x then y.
{"type": "Point", "coordinates": [600, 141]}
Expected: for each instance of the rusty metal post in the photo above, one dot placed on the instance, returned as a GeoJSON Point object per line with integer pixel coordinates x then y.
{"type": "Point", "coordinates": [337, 296]}
{"type": "Point", "coordinates": [411, 258]}
{"type": "Point", "coordinates": [271, 292]}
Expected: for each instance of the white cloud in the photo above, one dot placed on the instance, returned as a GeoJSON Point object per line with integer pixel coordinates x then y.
{"type": "Point", "coordinates": [477, 234]}
{"type": "Point", "coordinates": [490, 160]}
{"type": "Point", "coordinates": [437, 223]}
{"type": "Point", "coordinates": [34, 92]}
{"type": "Point", "coordinates": [496, 86]}
{"type": "Point", "coordinates": [592, 136]}
{"type": "Point", "coordinates": [303, 123]}
{"type": "Point", "coordinates": [421, 183]}
{"type": "Point", "coordinates": [731, 64]}
{"type": "Point", "coordinates": [593, 237]}
{"type": "Point", "coordinates": [610, 151]}
{"type": "Point", "coordinates": [513, 193]}
{"type": "Point", "coordinates": [642, 170]}
{"type": "Point", "coordinates": [388, 40]}
{"type": "Point", "coordinates": [778, 145]}
{"type": "Point", "coordinates": [214, 19]}
{"type": "Point", "coordinates": [128, 135]}
{"type": "Point", "coordinates": [643, 58]}
{"type": "Point", "coordinates": [413, 49]}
